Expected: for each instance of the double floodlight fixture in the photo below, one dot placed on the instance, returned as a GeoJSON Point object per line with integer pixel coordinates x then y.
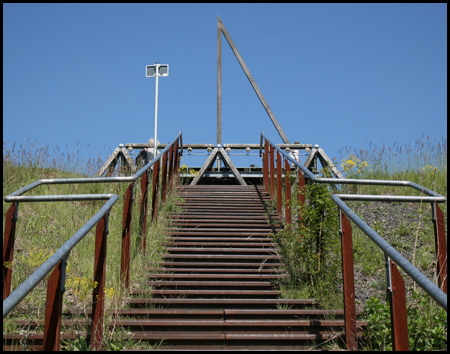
{"type": "Point", "coordinates": [156, 70]}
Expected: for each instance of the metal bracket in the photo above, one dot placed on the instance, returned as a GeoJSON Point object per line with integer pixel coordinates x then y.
{"type": "Point", "coordinates": [16, 212]}
{"type": "Point", "coordinates": [218, 153]}
{"type": "Point", "coordinates": [63, 272]}
{"type": "Point", "coordinates": [388, 273]}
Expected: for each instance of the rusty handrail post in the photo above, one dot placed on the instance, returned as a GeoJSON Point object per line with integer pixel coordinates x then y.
{"type": "Point", "coordinates": [143, 214]}
{"type": "Point", "coordinates": [175, 160]}
{"type": "Point", "coordinates": [279, 184]}
{"type": "Point", "coordinates": [287, 178]}
{"type": "Point", "coordinates": [155, 191]}
{"type": "Point", "coordinates": [98, 294]}
{"type": "Point", "coordinates": [53, 307]}
{"type": "Point", "coordinates": [272, 171]}
{"type": "Point", "coordinates": [126, 237]}
{"type": "Point", "coordinates": [266, 166]}
{"type": "Point", "coordinates": [397, 300]}
{"type": "Point", "coordinates": [8, 247]}
{"type": "Point", "coordinates": [264, 170]}
{"type": "Point", "coordinates": [301, 194]}
{"type": "Point", "coordinates": [170, 167]}
{"type": "Point", "coordinates": [441, 247]}
{"type": "Point", "coordinates": [163, 178]}
{"type": "Point", "coordinates": [179, 154]}
{"type": "Point", "coordinates": [348, 282]}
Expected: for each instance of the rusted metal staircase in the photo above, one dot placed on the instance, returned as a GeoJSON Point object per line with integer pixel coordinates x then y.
{"type": "Point", "coordinates": [218, 285]}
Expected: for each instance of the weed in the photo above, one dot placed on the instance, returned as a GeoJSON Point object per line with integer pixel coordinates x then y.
{"type": "Point", "coordinates": [79, 344]}
{"type": "Point", "coordinates": [378, 331]}
{"type": "Point", "coordinates": [310, 247]}
{"type": "Point", "coordinates": [427, 324]}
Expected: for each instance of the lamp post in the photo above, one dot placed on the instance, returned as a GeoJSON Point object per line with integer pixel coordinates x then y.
{"type": "Point", "coordinates": [156, 70]}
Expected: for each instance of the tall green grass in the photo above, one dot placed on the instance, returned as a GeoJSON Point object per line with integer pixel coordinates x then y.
{"type": "Point", "coordinates": [423, 162]}
{"type": "Point", "coordinates": [43, 227]}
{"type": "Point", "coordinates": [32, 154]}
{"type": "Point", "coordinates": [312, 250]}
{"type": "Point", "coordinates": [398, 158]}
{"type": "Point", "coordinates": [406, 226]}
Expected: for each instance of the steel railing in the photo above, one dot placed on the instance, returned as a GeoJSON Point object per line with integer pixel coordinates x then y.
{"type": "Point", "coordinates": [398, 324]}
{"type": "Point", "coordinates": [169, 155]}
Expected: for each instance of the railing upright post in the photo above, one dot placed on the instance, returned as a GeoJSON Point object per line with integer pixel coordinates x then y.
{"type": "Point", "coordinates": [264, 170]}
{"type": "Point", "coordinates": [272, 171]}
{"type": "Point", "coordinates": [287, 178]}
{"type": "Point", "coordinates": [143, 214]}
{"type": "Point", "coordinates": [301, 194]}
{"type": "Point", "coordinates": [53, 308]}
{"type": "Point", "coordinates": [175, 159]}
{"type": "Point", "coordinates": [170, 167]}
{"type": "Point", "coordinates": [397, 299]}
{"type": "Point", "coordinates": [126, 237]}
{"type": "Point", "coordinates": [441, 247]}
{"type": "Point", "coordinates": [349, 282]}
{"type": "Point", "coordinates": [155, 191]}
{"type": "Point", "coordinates": [98, 294]}
{"type": "Point", "coordinates": [266, 166]}
{"type": "Point", "coordinates": [163, 178]}
{"type": "Point", "coordinates": [8, 247]}
{"type": "Point", "coordinates": [279, 184]}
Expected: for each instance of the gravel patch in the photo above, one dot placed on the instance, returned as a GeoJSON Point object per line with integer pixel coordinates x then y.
{"type": "Point", "coordinates": [397, 223]}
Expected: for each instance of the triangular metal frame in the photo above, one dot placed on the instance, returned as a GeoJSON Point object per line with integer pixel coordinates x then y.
{"type": "Point", "coordinates": [218, 151]}
{"type": "Point", "coordinates": [111, 162]}
{"type": "Point", "coordinates": [324, 160]}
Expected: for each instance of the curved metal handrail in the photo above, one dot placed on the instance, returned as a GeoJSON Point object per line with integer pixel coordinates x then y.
{"type": "Point", "coordinates": [32, 281]}
{"type": "Point", "coordinates": [434, 291]}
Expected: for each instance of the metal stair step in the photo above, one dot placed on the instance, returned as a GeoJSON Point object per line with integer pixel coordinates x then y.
{"type": "Point", "coordinates": [219, 276]}
{"type": "Point", "coordinates": [230, 265]}
{"type": "Point", "coordinates": [210, 257]}
{"type": "Point", "coordinates": [208, 216]}
{"type": "Point", "coordinates": [217, 270]}
{"type": "Point", "coordinates": [234, 250]}
{"type": "Point", "coordinates": [224, 213]}
{"type": "Point", "coordinates": [206, 293]}
{"type": "Point", "coordinates": [213, 284]}
{"type": "Point", "coordinates": [223, 224]}
{"type": "Point", "coordinates": [223, 303]}
{"type": "Point", "coordinates": [209, 233]}
{"type": "Point", "coordinates": [201, 242]}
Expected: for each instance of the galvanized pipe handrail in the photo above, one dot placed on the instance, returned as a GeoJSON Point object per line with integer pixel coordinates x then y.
{"type": "Point", "coordinates": [426, 284]}
{"type": "Point", "coordinates": [433, 290]}
{"type": "Point", "coordinates": [13, 197]}
{"type": "Point", "coordinates": [30, 283]}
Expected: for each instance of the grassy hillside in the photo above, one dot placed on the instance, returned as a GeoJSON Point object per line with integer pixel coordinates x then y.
{"type": "Point", "coordinates": [408, 227]}
{"type": "Point", "coordinates": [43, 227]}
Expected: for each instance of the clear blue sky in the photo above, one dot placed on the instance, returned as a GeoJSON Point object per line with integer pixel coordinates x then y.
{"type": "Point", "coordinates": [333, 75]}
